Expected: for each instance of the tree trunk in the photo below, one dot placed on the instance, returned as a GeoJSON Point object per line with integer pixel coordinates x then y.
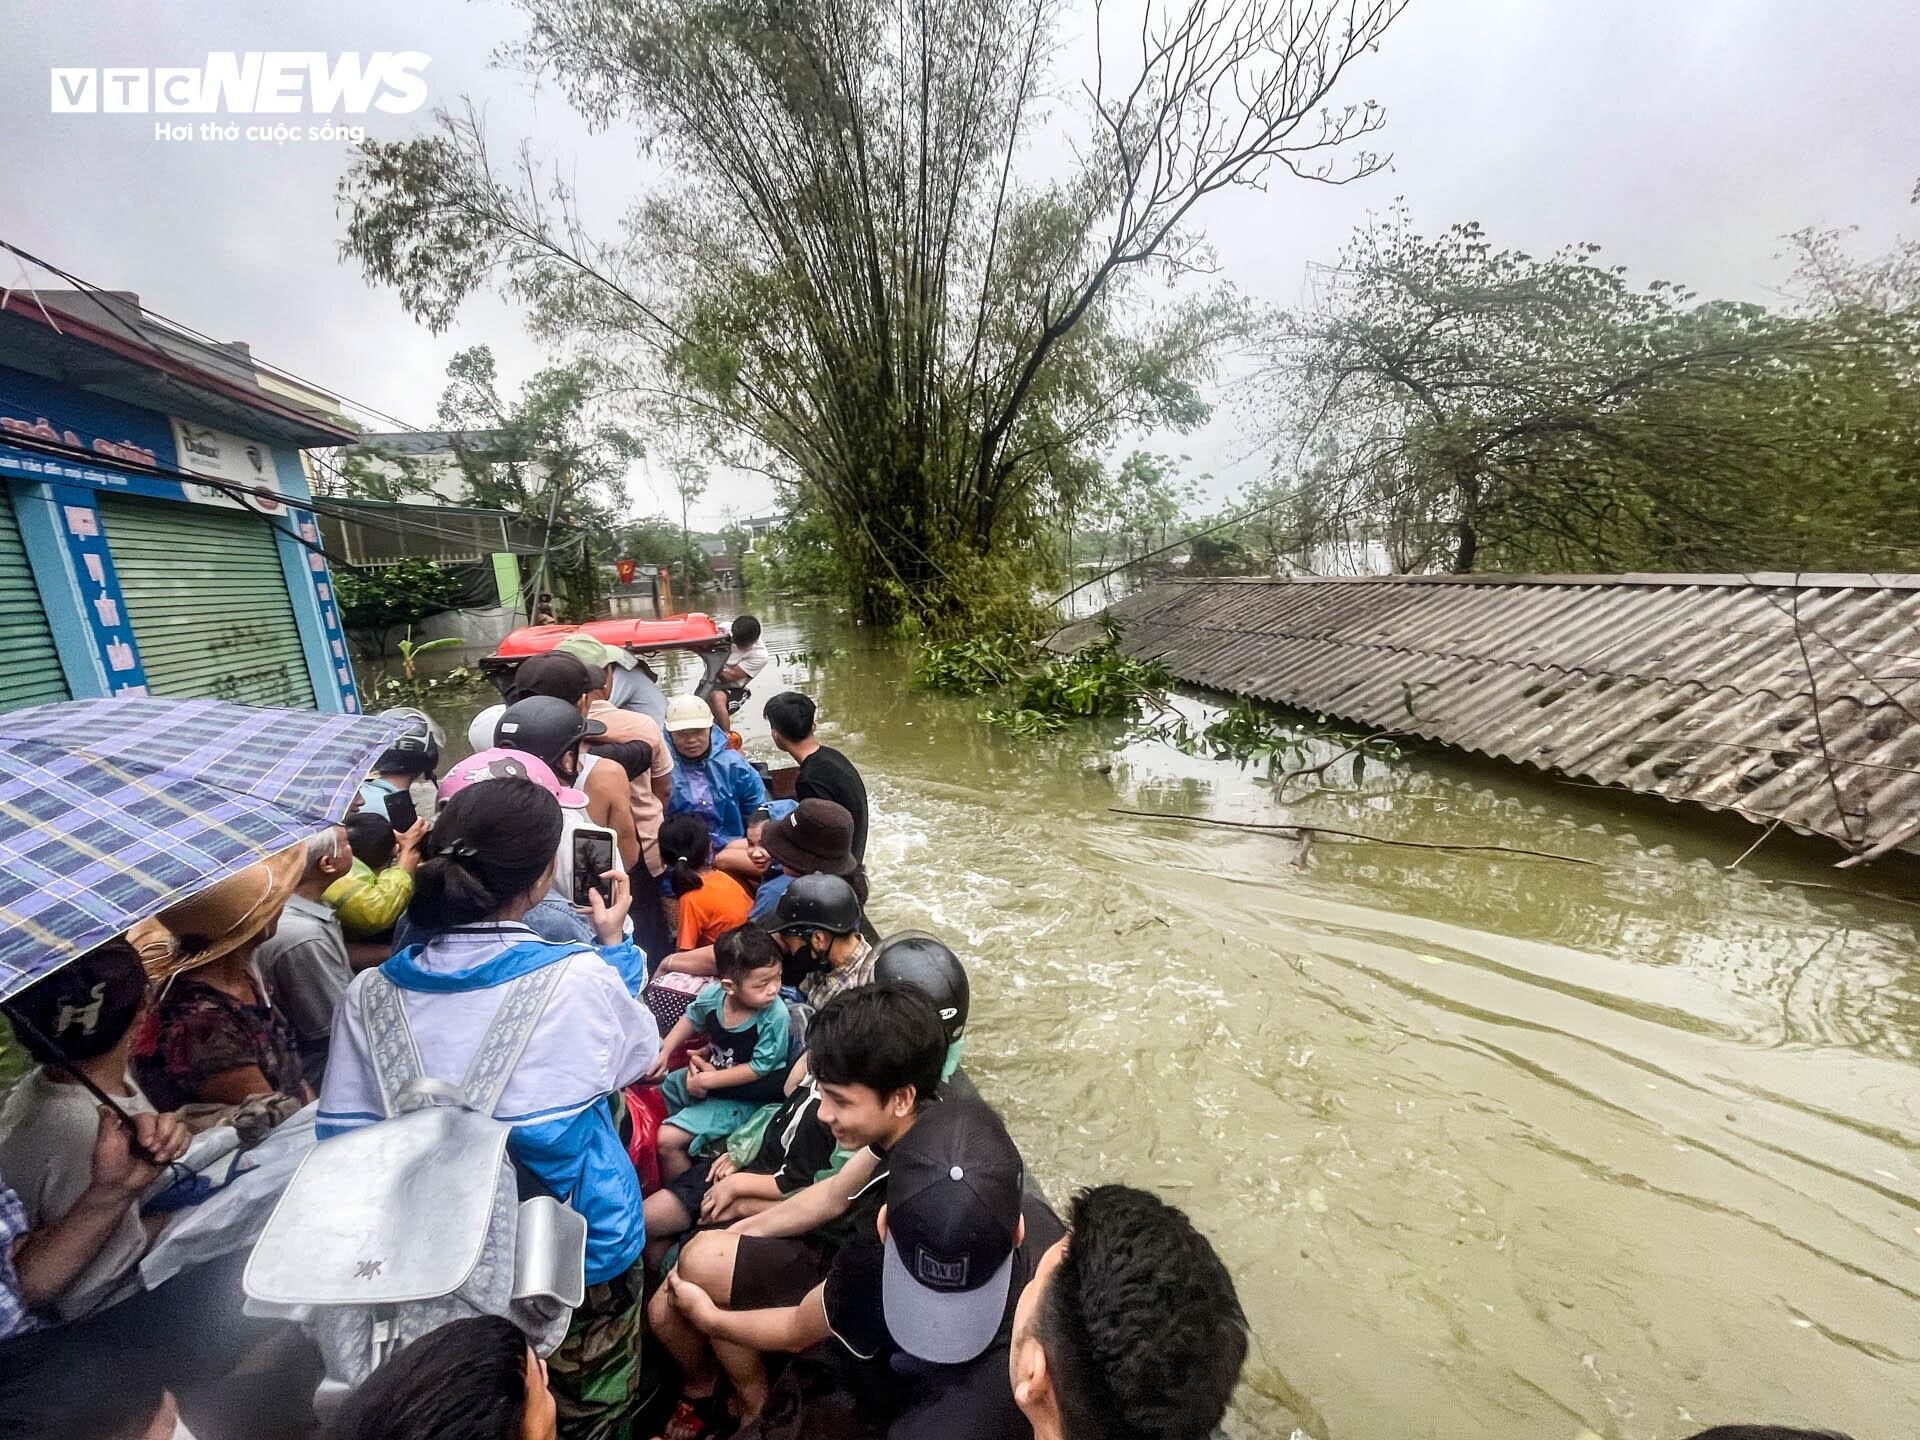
{"type": "Point", "coordinates": [1466, 531]}
{"type": "Point", "coordinates": [1466, 544]}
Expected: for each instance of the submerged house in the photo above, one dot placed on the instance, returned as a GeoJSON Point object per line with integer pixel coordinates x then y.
{"type": "Point", "coordinates": [1785, 699]}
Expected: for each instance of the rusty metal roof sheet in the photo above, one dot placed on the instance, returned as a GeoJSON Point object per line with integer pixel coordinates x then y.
{"type": "Point", "coordinates": [1782, 698]}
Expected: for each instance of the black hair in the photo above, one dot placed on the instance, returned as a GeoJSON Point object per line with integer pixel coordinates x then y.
{"type": "Point", "coordinates": [790, 716]}
{"type": "Point", "coordinates": [84, 1009]}
{"type": "Point", "coordinates": [885, 1037]}
{"type": "Point", "coordinates": [465, 1381]}
{"type": "Point", "coordinates": [685, 845]}
{"type": "Point", "coordinates": [1765, 1432]}
{"type": "Point", "coordinates": [489, 844]}
{"type": "Point", "coordinates": [1143, 1333]}
{"type": "Point", "coordinates": [744, 949]}
{"type": "Point", "coordinates": [371, 839]}
{"type": "Point", "coordinates": [745, 629]}
{"type": "Point", "coordinates": [633, 756]}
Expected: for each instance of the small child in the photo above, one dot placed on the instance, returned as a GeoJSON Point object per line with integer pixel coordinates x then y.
{"type": "Point", "coordinates": [748, 860]}
{"type": "Point", "coordinates": [707, 902]}
{"type": "Point", "coordinates": [373, 894]}
{"type": "Point", "coordinates": [742, 1023]}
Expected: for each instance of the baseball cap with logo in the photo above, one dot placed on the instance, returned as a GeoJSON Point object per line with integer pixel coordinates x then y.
{"type": "Point", "coordinates": [953, 1212]}
{"type": "Point", "coordinates": [499, 765]}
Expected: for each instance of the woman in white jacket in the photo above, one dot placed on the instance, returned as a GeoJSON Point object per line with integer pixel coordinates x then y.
{"type": "Point", "coordinates": [489, 860]}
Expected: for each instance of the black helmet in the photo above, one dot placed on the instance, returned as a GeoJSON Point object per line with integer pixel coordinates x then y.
{"type": "Point", "coordinates": [543, 726]}
{"type": "Point", "coordinates": [818, 902]}
{"type": "Point", "coordinates": [416, 749]}
{"type": "Point", "coordinates": [923, 961]}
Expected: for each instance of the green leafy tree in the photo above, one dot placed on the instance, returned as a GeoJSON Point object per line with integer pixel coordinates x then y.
{"type": "Point", "coordinates": [553, 454]}
{"type": "Point", "coordinates": [846, 280]}
{"type": "Point", "coordinates": [377, 599]}
{"type": "Point", "coordinates": [373, 472]}
{"type": "Point", "coordinates": [1828, 279]}
{"type": "Point", "coordinates": [1479, 408]}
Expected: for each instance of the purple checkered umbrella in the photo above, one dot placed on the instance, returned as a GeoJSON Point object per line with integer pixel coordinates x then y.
{"type": "Point", "coordinates": [112, 809]}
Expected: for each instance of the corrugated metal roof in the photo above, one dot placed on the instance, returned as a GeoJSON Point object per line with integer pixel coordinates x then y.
{"type": "Point", "coordinates": [1777, 697]}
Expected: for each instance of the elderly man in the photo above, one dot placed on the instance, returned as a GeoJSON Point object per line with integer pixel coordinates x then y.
{"type": "Point", "coordinates": [305, 962]}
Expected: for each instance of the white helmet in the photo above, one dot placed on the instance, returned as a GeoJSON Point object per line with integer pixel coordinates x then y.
{"type": "Point", "coordinates": [480, 729]}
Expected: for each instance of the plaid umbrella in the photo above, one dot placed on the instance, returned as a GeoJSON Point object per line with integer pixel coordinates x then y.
{"type": "Point", "coordinates": [112, 809]}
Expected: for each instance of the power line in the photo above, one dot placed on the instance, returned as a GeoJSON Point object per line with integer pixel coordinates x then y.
{"type": "Point", "coordinates": [373, 520]}
{"type": "Point", "coordinates": [94, 293]}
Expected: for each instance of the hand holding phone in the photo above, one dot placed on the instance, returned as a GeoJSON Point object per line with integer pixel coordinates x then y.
{"type": "Point", "coordinates": [610, 916]}
{"type": "Point", "coordinates": [592, 858]}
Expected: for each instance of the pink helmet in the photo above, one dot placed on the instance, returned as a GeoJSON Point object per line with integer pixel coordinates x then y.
{"type": "Point", "coordinates": [498, 764]}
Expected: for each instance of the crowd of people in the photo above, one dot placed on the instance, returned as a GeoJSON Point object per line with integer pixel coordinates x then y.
{"type": "Point", "coordinates": [801, 1218]}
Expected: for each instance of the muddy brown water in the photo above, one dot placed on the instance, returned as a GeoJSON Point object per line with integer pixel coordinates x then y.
{"type": "Point", "coordinates": [1494, 1147]}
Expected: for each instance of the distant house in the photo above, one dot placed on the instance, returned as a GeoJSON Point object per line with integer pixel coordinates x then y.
{"type": "Point", "coordinates": [759, 527]}
{"type": "Point", "coordinates": [410, 459]}
{"type": "Point", "coordinates": [725, 567]}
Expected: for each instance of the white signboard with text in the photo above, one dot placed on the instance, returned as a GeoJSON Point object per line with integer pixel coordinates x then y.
{"type": "Point", "coordinates": [217, 455]}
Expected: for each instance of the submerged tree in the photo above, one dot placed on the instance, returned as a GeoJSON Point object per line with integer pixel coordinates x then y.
{"type": "Point", "coordinates": [849, 280]}
{"type": "Point", "coordinates": [1476, 408]}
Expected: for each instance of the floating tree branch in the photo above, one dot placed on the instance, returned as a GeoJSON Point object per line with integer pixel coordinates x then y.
{"type": "Point", "coordinates": [1308, 831]}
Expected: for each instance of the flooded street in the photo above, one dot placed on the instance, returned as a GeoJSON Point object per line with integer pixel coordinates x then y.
{"type": "Point", "coordinates": [1494, 1146]}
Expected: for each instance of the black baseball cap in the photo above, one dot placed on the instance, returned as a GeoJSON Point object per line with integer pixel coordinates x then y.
{"type": "Point", "coordinates": [953, 1213]}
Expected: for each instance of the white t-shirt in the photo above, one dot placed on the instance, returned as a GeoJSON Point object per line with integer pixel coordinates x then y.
{"type": "Point", "coordinates": [47, 1133]}
{"type": "Point", "coordinates": [570, 821]}
{"type": "Point", "coordinates": [752, 660]}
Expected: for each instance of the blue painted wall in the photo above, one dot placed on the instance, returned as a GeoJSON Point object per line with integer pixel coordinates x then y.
{"type": "Point", "coordinates": [67, 550]}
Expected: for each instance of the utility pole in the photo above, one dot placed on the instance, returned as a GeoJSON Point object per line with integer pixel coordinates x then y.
{"type": "Point", "coordinates": [686, 539]}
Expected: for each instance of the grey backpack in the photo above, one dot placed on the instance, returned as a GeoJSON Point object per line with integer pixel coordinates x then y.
{"type": "Point", "coordinates": [395, 1228]}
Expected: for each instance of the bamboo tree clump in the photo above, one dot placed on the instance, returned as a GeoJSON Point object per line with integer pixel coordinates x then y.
{"type": "Point", "coordinates": [847, 276]}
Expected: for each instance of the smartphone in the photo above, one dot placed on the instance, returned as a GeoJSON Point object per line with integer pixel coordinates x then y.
{"type": "Point", "coordinates": [592, 858]}
{"type": "Point", "coordinates": [401, 811]}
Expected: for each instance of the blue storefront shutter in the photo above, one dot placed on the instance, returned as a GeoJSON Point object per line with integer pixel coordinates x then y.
{"type": "Point", "coordinates": [30, 671]}
{"type": "Point", "coordinates": [207, 600]}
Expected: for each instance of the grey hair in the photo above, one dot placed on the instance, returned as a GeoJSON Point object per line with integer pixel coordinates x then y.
{"type": "Point", "coordinates": [323, 845]}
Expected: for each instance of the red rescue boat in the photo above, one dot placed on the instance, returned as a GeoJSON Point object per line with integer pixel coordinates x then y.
{"type": "Point", "coordinates": [696, 633]}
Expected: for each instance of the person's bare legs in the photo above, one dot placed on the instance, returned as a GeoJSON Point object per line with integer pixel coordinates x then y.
{"type": "Point", "coordinates": [717, 701]}
{"type": "Point", "coordinates": [671, 1145]}
{"type": "Point", "coordinates": [708, 1260]}
{"type": "Point", "coordinates": [666, 1220]}
{"type": "Point", "coordinates": [747, 1372]}
{"type": "Point", "coordinates": [699, 1375]}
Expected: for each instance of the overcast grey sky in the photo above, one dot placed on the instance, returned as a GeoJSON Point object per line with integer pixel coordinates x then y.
{"type": "Point", "coordinates": [1686, 136]}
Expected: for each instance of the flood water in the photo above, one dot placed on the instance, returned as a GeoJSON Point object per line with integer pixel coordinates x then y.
{"type": "Point", "coordinates": [1493, 1146]}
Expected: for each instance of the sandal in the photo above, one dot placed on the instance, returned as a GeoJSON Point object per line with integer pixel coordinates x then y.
{"type": "Point", "coordinates": [707, 1418]}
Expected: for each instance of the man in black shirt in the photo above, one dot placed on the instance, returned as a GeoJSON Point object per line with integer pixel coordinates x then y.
{"type": "Point", "coordinates": [876, 1053]}
{"type": "Point", "coordinates": [922, 1306]}
{"type": "Point", "coordinates": [825, 774]}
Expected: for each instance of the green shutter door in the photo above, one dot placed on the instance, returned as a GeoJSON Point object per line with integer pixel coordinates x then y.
{"type": "Point", "coordinates": [30, 671]}
{"type": "Point", "coordinates": [208, 602]}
